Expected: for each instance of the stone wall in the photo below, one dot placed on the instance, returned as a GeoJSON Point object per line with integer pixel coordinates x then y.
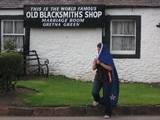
{"type": "Point", "coordinates": [147, 68]}
{"type": "Point", "coordinates": [71, 51]}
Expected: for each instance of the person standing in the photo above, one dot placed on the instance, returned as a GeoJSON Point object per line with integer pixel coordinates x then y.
{"type": "Point", "coordinates": [106, 77]}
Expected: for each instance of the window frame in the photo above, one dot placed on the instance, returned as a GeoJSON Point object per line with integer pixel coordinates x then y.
{"type": "Point", "coordinates": [122, 35]}
{"type": "Point", "coordinates": [108, 25]}
{"type": "Point", "coordinates": [10, 34]}
{"type": "Point", "coordinates": [11, 17]}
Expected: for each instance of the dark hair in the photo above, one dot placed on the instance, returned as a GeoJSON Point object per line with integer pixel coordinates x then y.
{"type": "Point", "coordinates": [99, 45]}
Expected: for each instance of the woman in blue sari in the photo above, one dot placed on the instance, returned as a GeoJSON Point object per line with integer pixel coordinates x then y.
{"type": "Point", "coordinates": [106, 77]}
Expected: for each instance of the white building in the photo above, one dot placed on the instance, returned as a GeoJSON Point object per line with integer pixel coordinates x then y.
{"type": "Point", "coordinates": [129, 29]}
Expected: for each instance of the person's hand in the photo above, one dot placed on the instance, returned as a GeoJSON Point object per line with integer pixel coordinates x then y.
{"type": "Point", "coordinates": [98, 62]}
{"type": "Point", "coordinates": [95, 61]}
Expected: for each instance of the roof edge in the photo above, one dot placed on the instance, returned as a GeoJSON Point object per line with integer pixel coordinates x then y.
{"type": "Point", "coordinates": [106, 6]}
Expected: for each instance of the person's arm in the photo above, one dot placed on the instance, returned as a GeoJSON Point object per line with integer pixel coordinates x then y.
{"type": "Point", "coordinates": [94, 64]}
{"type": "Point", "coordinates": [110, 77]}
{"type": "Point", "coordinates": [107, 67]}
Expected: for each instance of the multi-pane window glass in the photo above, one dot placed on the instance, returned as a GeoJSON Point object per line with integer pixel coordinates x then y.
{"type": "Point", "coordinates": [12, 34]}
{"type": "Point", "coordinates": [123, 36]}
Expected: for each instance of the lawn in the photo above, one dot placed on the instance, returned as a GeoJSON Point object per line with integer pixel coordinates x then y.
{"type": "Point", "coordinates": [60, 91]}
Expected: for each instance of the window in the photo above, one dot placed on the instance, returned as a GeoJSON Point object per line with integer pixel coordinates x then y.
{"type": "Point", "coordinates": [124, 36]}
{"type": "Point", "coordinates": [12, 33]}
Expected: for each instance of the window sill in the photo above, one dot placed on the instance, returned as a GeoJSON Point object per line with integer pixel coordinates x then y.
{"type": "Point", "coordinates": [120, 56]}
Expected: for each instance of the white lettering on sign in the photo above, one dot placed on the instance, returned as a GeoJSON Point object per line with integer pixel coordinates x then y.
{"type": "Point", "coordinates": [51, 24]}
{"type": "Point", "coordinates": [68, 8]}
{"type": "Point", "coordinates": [54, 8]}
{"type": "Point", "coordinates": [65, 16]}
{"type": "Point", "coordinates": [95, 14]}
{"type": "Point", "coordinates": [48, 14]}
{"type": "Point", "coordinates": [76, 20]}
{"type": "Point", "coordinates": [87, 8]}
{"type": "Point", "coordinates": [71, 24]}
{"type": "Point", "coordinates": [36, 8]}
{"type": "Point", "coordinates": [60, 14]}
{"type": "Point", "coordinates": [54, 20]}
{"type": "Point", "coordinates": [32, 15]}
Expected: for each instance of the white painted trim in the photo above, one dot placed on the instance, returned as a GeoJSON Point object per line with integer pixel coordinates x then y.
{"type": "Point", "coordinates": [14, 34]}
{"type": "Point", "coordinates": [9, 34]}
{"type": "Point", "coordinates": [122, 20]}
{"type": "Point", "coordinates": [126, 52]}
{"type": "Point", "coordinates": [14, 26]}
{"type": "Point", "coordinates": [121, 35]}
{"type": "Point", "coordinates": [2, 46]}
{"type": "Point", "coordinates": [111, 36]}
{"type": "Point", "coordinates": [12, 20]}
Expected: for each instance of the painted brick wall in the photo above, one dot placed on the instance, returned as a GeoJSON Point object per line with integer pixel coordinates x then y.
{"type": "Point", "coordinates": [70, 51]}
{"type": "Point", "coordinates": [147, 68]}
{"type": "Point", "coordinates": [11, 12]}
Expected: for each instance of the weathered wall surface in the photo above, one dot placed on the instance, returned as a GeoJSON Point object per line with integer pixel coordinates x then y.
{"type": "Point", "coordinates": [147, 68]}
{"type": "Point", "coordinates": [11, 12]}
{"type": "Point", "coordinates": [70, 51]}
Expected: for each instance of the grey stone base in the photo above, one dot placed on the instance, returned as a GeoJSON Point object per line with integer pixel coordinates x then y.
{"type": "Point", "coordinates": [77, 111]}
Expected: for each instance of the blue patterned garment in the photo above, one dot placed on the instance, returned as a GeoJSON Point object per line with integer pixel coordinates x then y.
{"type": "Point", "coordinates": [106, 58]}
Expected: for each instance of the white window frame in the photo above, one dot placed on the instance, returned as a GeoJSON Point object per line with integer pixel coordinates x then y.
{"type": "Point", "coordinates": [122, 52]}
{"type": "Point", "coordinates": [9, 34]}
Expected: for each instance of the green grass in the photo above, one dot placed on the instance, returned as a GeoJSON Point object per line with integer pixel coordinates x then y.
{"type": "Point", "coordinates": [139, 94]}
{"type": "Point", "coordinates": [60, 91]}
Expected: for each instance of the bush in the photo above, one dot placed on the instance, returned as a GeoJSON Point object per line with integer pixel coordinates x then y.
{"type": "Point", "coordinates": [11, 67]}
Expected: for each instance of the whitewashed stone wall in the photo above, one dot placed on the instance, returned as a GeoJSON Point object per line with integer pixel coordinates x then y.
{"type": "Point", "coordinates": [70, 51]}
{"type": "Point", "coordinates": [147, 68]}
{"type": "Point", "coordinates": [11, 12]}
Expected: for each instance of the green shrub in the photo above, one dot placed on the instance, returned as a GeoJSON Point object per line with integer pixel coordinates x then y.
{"type": "Point", "coordinates": [11, 67]}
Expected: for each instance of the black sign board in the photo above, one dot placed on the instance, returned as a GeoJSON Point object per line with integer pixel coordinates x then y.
{"type": "Point", "coordinates": [64, 16]}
